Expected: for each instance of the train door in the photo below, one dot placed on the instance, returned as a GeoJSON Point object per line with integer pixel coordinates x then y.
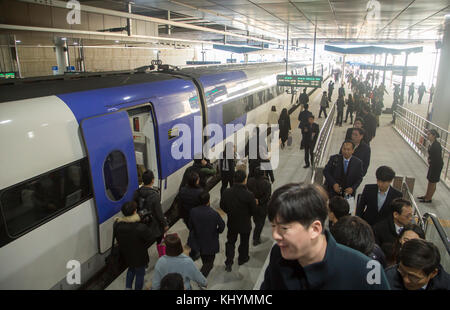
{"type": "Point", "coordinates": [109, 144]}
{"type": "Point", "coordinates": [144, 140]}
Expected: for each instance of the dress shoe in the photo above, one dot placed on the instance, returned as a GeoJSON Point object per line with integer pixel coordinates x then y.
{"type": "Point", "coordinates": [306, 166]}
{"type": "Point", "coordinates": [242, 262]}
{"type": "Point", "coordinates": [421, 197]}
{"type": "Point", "coordinates": [228, 268]}
{"type": "Point", "coordinates": [425, 201]}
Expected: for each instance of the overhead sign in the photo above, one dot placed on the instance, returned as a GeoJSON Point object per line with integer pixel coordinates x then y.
{"type": "Point", "coordinates": [299, 80]}
{"type": "Point", "coordinates": [7, 75]}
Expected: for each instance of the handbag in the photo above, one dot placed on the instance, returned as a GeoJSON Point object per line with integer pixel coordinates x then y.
{"type": "Point", "coordinates": [114, 262]}
{"type": "Point", "coordinates": [161, 247]}
{"type": "Point", "coordinates": [289, 141]}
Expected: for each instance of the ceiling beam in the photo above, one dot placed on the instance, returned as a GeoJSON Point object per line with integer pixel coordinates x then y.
{"type": "Point", "coordinates": [396, 16]}
{"type": "Point", "coordinates": [91, 9]}
{"type": "Point", "coordinates": [114, 36]}
{"type": "Point", "coordinates": [307, 18]}
{"type": "Point", "coordinates": [443, 9]}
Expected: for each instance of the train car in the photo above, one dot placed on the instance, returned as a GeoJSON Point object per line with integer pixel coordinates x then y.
{"type": "Point", "coordinates": [72, 150]}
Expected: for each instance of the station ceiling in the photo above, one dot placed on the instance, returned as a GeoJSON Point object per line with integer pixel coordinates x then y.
{"type": "Point", "coordinates": [389, 21]}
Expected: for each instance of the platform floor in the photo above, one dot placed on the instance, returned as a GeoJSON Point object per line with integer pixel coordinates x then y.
{"type": "Point", "coordinates": [244, 277]}
{"type": "Point", "coordinates": [388, 148]}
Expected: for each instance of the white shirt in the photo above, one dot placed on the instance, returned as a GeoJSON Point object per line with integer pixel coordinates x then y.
{"type": "Point", "coordinates": [381, 198]}
{"type": "Point", "coordinates": [398, 229]}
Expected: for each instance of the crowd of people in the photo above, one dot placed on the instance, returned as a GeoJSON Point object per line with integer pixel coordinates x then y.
{"type": "Point", "coordinates": [310, 252]}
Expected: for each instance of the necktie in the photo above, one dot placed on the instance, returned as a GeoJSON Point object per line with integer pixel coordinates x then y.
{"type": "Point", "coordinates": [345, 165]}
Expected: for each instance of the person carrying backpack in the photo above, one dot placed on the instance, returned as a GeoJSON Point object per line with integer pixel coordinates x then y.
{"type": "Point", "coordinates": [148, 201]}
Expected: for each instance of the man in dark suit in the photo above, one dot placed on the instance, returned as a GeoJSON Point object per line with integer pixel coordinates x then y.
{"type": "Point", "coordinates": [387, 230]}
{"type": "Point", "coordinates": [374, 203]}
{"type": "Point", "coordinates": [370, 122]}
{"type": "Point", "coordinates": [240, 205]}
{"type": "Point", "coordinates": [304, 98]}
{"type": "Point", "coordinates": [206, 225]}
{"type": "Point", "coordinates": [310, 133]}
{"type": "Point", "coordinates": [343, 173]}
{"type": "Point", "coordinates": [362, 150]}
{"type": "Point", "coordinates": [303, 119]}
{"type": "Point", "coordinates": [260, 186]}
{"type": "Point", "coordinates": [227, 166]}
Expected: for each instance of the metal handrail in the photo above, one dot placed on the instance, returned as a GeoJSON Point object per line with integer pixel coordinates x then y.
{"type": "Point", "coordinates": [429, 125]}
{"type": "Point", "coordinates": [413, 128]}
{"type": "Point", "coordinates": [439, 228]}
{"type": "Point", "coordinates": [322, 140]}
{"type": "Point", "coordinates": [416, 213]}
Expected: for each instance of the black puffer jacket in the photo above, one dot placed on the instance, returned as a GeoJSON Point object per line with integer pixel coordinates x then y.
{"type": "Point", "coordinates": [188, 199]}
{"type": "Point", "coordinates": [134, 239]}
{"type": "Point", "coordinates": [153, 204]}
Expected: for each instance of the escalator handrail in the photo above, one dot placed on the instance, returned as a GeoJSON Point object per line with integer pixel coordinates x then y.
{"type": "Point", "coordinates": [439, 229]}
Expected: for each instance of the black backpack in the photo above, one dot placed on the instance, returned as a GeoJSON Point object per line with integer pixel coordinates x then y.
{"type": "Point", "coordinates": [144, 213]}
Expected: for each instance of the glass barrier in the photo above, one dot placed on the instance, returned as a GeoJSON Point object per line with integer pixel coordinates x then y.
{"type": "Point", "coordinates": [414, 128]}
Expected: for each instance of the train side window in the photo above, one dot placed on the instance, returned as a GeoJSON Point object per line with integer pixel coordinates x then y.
{"type": "Point", "coordinates": [30, 203]}
{"type": "Point", "coordinates": [115, 173]}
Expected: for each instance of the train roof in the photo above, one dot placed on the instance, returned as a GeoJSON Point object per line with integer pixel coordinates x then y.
{"type": "Point", "coordinates": [19, 89]}
{"type": "Point", "coordinates": [11, 90]}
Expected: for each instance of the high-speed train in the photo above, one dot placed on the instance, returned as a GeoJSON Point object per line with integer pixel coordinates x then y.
{"type": "Point", "coordinates": [72, 148]}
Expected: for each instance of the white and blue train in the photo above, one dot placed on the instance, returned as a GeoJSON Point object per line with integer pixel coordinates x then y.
{"type": "Point", "coordinates": [70, 148]}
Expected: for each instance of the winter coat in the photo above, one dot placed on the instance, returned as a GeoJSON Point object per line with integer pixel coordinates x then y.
{"type": "Point", "coordinates": [152, 204]}
{"type": "Point", "coordinates": [239, 204]}
{"type": "Point", "coordinates": [440, 282]}
{"type": "Point", "coordinates": [188, 199]}
{"type": "Point", "coordinates": [342, 268]}
{"type": "Point", "coordinates": [262, 189]}
{"type": "Point", "coordinates": [134, 239]}
{"type": "Point", "coordinates": [206, 225]}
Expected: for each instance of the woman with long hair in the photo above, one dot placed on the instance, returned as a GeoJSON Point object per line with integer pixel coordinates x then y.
{"type": "Point", "coordinates": [285, 126]}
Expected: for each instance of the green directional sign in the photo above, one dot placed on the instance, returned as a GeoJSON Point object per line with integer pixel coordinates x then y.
{"type": "Point", "coordinates": [299, 80]}
{"type": "Point", "coordinates": [7, 75]}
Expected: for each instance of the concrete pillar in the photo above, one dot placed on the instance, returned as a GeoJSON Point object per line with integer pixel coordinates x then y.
{"type": "Point", "coordinates": [61, 55]}
{"type": "Point", "coordinates": [440, 111]}
{"type": "Point", "coordinates": [169, 30]}
{"type": "Point", "coordinates": [402, 96]}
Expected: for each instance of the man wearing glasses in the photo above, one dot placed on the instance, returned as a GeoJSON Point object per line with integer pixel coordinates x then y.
{"type": "Point", "coordinates": [419, 268]}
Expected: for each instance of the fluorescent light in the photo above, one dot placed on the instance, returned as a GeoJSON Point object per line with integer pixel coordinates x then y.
{"type": "Point", "coordinates": [18, 41]}
{"type": "Point", "coordinates": [117, 41]}
{"type": "Point", "coordinates": [64, 39]}
{"type": "Point", "coordinates": [75, 43]}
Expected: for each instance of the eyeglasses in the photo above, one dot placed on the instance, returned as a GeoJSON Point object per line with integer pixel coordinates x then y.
{"type": "Point", "coordinates": [412, 278]}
